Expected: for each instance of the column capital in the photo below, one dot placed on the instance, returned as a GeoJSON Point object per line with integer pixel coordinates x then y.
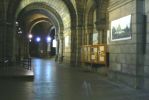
{"type": "Point", "coordinates": [100, 25]}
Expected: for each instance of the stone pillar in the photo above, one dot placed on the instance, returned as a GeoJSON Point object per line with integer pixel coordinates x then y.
{"type": "Point", "coordinates": [61, 47]}
{"type": "Point", "coordinates": [26, 44]}
{"type": "Point", "coordinates": [83, 35]}
{"type": "Point", "coordinates": [73, 45]}
{"type": "Point", "coordinates": [2, 39]}
{"type": "Point", "coordinates": [2, 29]}
{"type": "Point", "coordinates": [78, 45]}
{"type": "Point", "coordinates": [140, 46]}
{"type": "Point", "coordinates": [6, 32]}
{"type": "Point", "coordinates": [9, 42]}
{"type": "Point", "coordinates": [101, 19]}
{"type": "Point", "coordinates": [57, 47]}
{"type": "Point", "coordinates": [90, 35]}
{"type": "Point", "coordinates": [14, 43]}
{"type": "Point", "coordinates": [80, 30]}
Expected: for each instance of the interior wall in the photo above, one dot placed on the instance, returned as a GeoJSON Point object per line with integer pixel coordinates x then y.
{"type": "Point", "coordinates": [67, 46]}
{"type": "Point", "coordinates": [6, 32]}
{"type": "Point", "coordinates": [123, 53]}
{"type": "Point", "coordinates": [126, 56]}
{"type": "Point", "coordinates": [146, 61]}
{"type": "Point", "coordinates": [1, 28]}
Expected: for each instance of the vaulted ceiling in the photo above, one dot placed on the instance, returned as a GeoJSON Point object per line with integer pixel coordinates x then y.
{"type": "Point", "coordinates": [63, 14]}
{"type": "Point", "coordinates": [30, 12]}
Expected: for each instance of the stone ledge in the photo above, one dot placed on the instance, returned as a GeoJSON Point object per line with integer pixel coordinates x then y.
{"type": "Point", "coordinates": [16, 73]}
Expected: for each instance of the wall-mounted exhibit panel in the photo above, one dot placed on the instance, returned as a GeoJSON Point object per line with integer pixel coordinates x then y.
{"type": "Point", "coordinates": [95, 54]}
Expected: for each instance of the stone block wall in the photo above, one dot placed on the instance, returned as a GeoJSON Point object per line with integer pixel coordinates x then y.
{"type": "Point", "coordinates": [67, 46]}
{"type": "Point", "coordinates": [129, 59]}
{"type": "Point", "coordinates": [146, 60]}
{"type": "Point", "coordinates": [123, 53]}
{"type": "Point", "coordinates": [1, 29]}
{"type": "Point", "coordinates": [1, 40]}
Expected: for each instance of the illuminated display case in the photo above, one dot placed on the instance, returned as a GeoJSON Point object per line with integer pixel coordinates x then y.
{"type": "Point", "coordinates": [88, 53]}
{"type": "Point", "coordinates": [94, 54]}
{"type": "Point", "coordinates": [102, 55]}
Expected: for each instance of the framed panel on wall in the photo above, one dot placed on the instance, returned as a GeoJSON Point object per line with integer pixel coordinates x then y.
{"type": "Point", "coordinates": [102, 54]}
{"type": "Point", "coordinates": [95, 38]}
{"type": "Point", "coordinates": [88, 53]}
{"type": "Point", "coordinates": [82, 54]}
{"type": "Point", "coordinates": [94, 54]}
{"type": "Point", "coordinates": [121, 29]}
{"type": "Point", "coordinates": [85, 53]}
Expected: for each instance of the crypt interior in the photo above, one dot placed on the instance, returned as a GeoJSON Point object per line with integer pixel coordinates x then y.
{"type": "Point", "coordinates": [74, 49]}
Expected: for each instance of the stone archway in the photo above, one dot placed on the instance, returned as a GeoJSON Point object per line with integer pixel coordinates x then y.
{"type": "Point", "coordinates": [60, 18]}
{"type": "Point", "coordinates": [63, 12]}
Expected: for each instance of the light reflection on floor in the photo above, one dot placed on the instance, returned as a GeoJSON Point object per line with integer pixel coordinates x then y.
{"type": "Point", "coordinates": [43, 70]}
{"type": "Point", "coordinates": [56, 82]}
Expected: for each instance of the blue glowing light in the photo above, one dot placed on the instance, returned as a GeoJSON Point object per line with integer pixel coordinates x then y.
{"type": "Point", "coordinates": [48, 39]}
{"type": "Point", "coordinates": [38, 39]}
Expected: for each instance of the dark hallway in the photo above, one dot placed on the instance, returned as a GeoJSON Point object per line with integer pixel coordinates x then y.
{"type": "Point", "coordinates": [74, 49]}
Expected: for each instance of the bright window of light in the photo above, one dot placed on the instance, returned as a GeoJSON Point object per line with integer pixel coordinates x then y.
{"type": "Point", "coordinates": [54, 43]}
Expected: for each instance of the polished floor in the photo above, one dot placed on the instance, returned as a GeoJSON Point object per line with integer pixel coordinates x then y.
{"type": "Point", "coordinates": [60, 82]}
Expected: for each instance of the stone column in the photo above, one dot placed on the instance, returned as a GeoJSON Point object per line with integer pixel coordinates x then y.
{"type": "Point", "coordinates": [14, 43]}
{"type": "Point", "coordinates": [101, 19]}
{"type": "Point", "coordinates": [2, 39]}
{"type": "Point", "coordinates": [73, 45]}
{"type": "Point", "coordinates": [57, 47]}
{"type": "Point", "coordinates": [61, 47]}
{"type": "Point", "coordinates": [2, 29]}
{"type": "Point", "coordinates": [26, 44]}
{"type": "Point", "coordinates": [80, 30]}
{"type": "Point", "coordinates": [78, 45]}
{"type": "Point", "coordinates": [90, 35]}
{"type": "Point", "coordinates": [83, 35]}
{"type": "Point", "coordinates": [9, 42]}
{"type": "Point", "coordinates": [139, 43]}
{"type": "Point", "coordinates": [7, 33]}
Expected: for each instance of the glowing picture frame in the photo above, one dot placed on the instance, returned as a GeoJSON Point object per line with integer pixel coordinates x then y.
{"type": "Point", "coordinates": [121, 29]}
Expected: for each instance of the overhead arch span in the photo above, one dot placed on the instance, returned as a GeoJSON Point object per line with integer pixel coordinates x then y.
{"type": "Point", "coordinates": [56, 7]}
